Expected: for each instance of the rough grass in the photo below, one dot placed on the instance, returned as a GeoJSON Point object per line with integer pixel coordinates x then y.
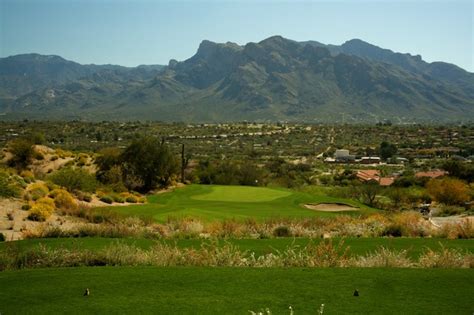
{"type": "Point", "coordinates": [357, 246]}
{"type": "Point", "coordinates": [183, 290]}
{"type": "Point", "coordinates": [211, 202]}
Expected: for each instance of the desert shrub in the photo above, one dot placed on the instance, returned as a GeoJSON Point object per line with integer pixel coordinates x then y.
{"type": "Point", "coordinates": [446, 258]}
{"type": "Point", "coordinates": [384, 257]}
{"type": "Point", "coordinates": [53, 158]}
{"type": "Point", "coordinates": [74, 179]}
{"type": "Point", "coordinates": [131, 199]}
{"type": "Point", "coordinates": [449, 191]}
{"type": "Point", "coordinates": [22, 151]}
{"type": "Point", "coordinates": [461, 230]}
{"type": "Point", "coordinates": [8, 187]}
{"type": "Point", "coordinates": [37, 190]}
{"type": "Point", "coordinates": [63, 154]}
{"type": "Point", "coordinates": [107, 199]}
{"type": "Point", "coordinates": [26, 207]}
{"type": "Point", "coordinates": [83, 196]}
{"type": "Point", "coordinates": [40, 211]}
{"type": "Point", "coordinates": [81, 159]}
{"type": "Point", "coordinates": [2, 237]}
{"type": "Point", "coordinates": [28, 176]}
{"type": "Point", "coordinates": [117, 198]}
{"type": "Point", "coordinates": [38, 156]}
{"type": "Point", "coordinates": [393, 230]}
{"type": "Point", "coordinates": [63, 199]}
{"type": "Point", "coordinates": [446, 211]}
{"type": "Point", "coordinates": [281, 231]}
{"type": "Point", "coordinates": [45, 200]}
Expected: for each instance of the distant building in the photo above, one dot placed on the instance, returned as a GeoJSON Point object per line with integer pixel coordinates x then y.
{"type": "Point", "coordinates": [343, 156]}
{"type": "Point", "coordinates": [431, 174]}
{"type": "Point", "coordinates": [370, 160]}
{"type": "Point", "coordinates": [374, 175]}
{"type": "Point", "coordinates": [341, 153]}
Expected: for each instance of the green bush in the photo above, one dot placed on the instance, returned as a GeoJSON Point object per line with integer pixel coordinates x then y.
{"type": "Point", "coordinates": [2, 237]}
{"type": "Point", "coordinates": [447, 211]}
{"type": "Point", "coordinates": [393, 230]}
{"type": "Point", "coordinates": [107, 199]}
{"type": "Point", "coordinates": [40, 212]}
{"type": "Point", "coordinates": [7, 186]}
{"type": "Point", "coordinates": [26, 207]}
{"type": "Point", "coordinates": [282, 231]}
{"type": "Point", "coordinates": [38, 190]}
{"type": "Point", "coordinates": [83, 196]}
{"type": "Point", "coordinates": [131, 199]}
{"type": "Point", "coordinates": [74, 179]}
{"type": "Point", "coordinates": [39, 156]}
{"type": "Point", "coordinates": [118, 198]}
{"type": "Point", "coordinates": [22, 151]}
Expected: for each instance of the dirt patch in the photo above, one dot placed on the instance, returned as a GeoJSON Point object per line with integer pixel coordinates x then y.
{"type": "Point", "coordinates": [330, 207]}
{"type": "Point", "coordinates": [14, 223]}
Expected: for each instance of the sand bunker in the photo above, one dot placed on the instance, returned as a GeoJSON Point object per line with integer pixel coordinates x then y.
{"type": "Point", "coordinates": [331, 207]}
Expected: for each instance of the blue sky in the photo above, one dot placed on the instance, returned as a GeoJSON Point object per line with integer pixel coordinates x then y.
{"type": "Point", "coordinates": [130, 33]}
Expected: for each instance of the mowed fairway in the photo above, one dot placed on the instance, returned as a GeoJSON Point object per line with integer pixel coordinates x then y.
{"type": "Point", "coordinates": [211, 202]}
{"type": "Point", "coordinates": [182, 290]}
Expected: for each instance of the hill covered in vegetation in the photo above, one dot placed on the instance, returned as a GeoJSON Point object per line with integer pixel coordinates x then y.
{"type": "Point", "coordinates": [276, 79]}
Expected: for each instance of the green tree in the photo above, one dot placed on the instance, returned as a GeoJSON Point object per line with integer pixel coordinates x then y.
{"type": "Point", "coordinates": [22, 151]}
{"type": "Point", "coordinates": [107, 160]}
{"type": "Point", "coordinates": [74, 179]}
{"type": "Point", "coordinates": [387, 150]}
{"type": "Point", "coordinates": [450, 191]}
{"type": "Point", "coordinates": [148, 163]}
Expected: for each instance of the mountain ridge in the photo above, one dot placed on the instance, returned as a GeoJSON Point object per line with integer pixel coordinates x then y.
{"type": "Point", "coordinates": [274, 79]}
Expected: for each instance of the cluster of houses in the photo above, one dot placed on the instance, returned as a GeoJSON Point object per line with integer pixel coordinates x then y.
{"type": "Point", "coordinates": [374, 175]}
{"type": "Point", "coordinates": [343, 156]}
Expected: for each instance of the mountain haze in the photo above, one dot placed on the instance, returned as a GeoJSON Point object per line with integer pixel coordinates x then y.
{"type": "Point", "coordinates": [276, 79]}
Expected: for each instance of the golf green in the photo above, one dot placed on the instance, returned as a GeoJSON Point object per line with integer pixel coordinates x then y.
{"type": "Point", "coordinates": [211, 202]}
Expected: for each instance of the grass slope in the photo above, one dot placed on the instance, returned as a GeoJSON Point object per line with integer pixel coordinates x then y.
{"type": "Point", "coordinates": [135, 290]}
{"type": "Point", "coordinates": [211, 202]}
{"type": "Point", "coordinates": [357, 246]}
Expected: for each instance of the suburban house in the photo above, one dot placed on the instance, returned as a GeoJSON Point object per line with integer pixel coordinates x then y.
{"type": "Point", "coordinates": [374, 175]}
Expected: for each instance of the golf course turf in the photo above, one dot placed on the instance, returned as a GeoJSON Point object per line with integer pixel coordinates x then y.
{"type": "Point", "coordinates": [181, 290]}
{"type": "Point", "coordinates": [212, 202]}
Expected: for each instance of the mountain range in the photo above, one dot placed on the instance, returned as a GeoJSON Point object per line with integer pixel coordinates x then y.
{"type": "Point", "coordinates": [276, 79]}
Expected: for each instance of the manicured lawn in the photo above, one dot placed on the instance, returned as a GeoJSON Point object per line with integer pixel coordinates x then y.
{"type": "Point", "coordinates": [211, 202]}
{"type": "Point", "coordinates": [182, 290]}
{"type": "Point", "coordinates": [357, 246]}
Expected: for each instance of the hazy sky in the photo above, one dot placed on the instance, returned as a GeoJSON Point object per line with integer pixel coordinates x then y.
{"type": "Point", "coordinates": [152, 32]}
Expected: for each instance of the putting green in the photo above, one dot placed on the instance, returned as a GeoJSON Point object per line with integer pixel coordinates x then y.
{"type": "Point", "coordinates": [241, 194]}
{"type": "Point", "coordinates": [213, 202]}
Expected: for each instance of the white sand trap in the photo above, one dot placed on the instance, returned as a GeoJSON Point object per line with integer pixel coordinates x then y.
{"type": "Point", "coordinates": [331, 207]}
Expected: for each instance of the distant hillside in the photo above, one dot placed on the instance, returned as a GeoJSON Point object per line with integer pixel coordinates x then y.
{"type": "Point", "coordinates": [273, 80]}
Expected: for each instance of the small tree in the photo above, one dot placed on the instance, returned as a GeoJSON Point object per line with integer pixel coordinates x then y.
{"type": "Point", "coordinates": [367, 192]}
{"type": "Point", "coordinates": [148, 163]}
{"type": "Point", "coordinates": [449, 191]}
{"type": "Point", "coordinates": [22, 151]}
{"type": "Point", "coordinates": [387, 150]}
{"type": "Point", "coordinates": [74, 179]}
